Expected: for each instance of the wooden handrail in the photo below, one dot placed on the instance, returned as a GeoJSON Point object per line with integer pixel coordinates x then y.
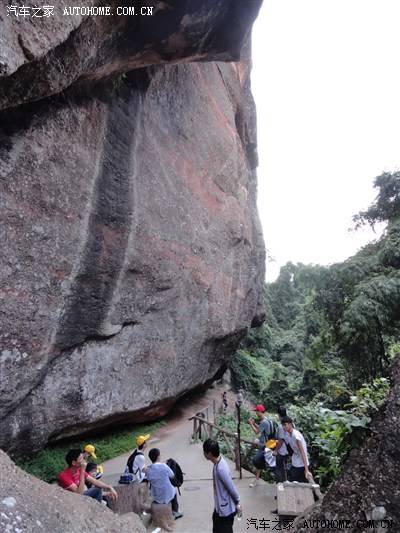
{"type": "Point", "coordinates": [221, 430]}
{"type": "Point", "coordinates": [199, 421]}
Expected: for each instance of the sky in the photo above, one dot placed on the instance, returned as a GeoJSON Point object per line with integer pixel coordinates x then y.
{"type": "Point", "coordinates": [326, 81]}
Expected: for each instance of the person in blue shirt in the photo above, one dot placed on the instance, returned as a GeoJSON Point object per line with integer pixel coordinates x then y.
{"type": "Point", "coordinates": [159, 474]}
{"type": "Point", "coordinates": [226, 497]}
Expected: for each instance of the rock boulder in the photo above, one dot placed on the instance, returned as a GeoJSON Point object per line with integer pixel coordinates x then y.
{"type": "Point", "coordinates": [132, 254]}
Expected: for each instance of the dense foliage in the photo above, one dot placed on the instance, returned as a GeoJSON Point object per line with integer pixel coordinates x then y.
{"type": "Point", "coordinates": [329, 331]}
{"type": "Point", "coordinates": [330, 433]}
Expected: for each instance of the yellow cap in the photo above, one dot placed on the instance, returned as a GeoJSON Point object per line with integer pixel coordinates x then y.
{"type": "Point", "coordinates": [271, 444]}
{"type": "Point", "coordinates": [142, 439]}
{"type": "Point", "coordinates": [90, 449]}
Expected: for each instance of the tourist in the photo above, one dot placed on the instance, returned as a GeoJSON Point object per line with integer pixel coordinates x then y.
{"type": "Point", "coordinates": [225, 401]}
{"type": "Point", "coordinates": [89, 452]}
{"type": "Point", "coordinates": [136, 462]}
{"type": "Point", "coordinates": [281, 451]}
{"type": "Point", "coordinates": [299, 469]}
{"type": "Point", "coordinates": [226, 497]}
{"type": "Point", "coordinates": [265, 430]}
{"type": "Point", "coordinates": [159, 475]}
{"type": "Point", "coordinates": [73, 478]}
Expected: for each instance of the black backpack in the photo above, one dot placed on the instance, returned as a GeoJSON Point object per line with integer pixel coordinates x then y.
{"type": "Point", "coordinates": [272, 430]}
{"type": "Point", "coordinates": [177, 480]}
{"type": "Point", "coordinates": [131, 460]}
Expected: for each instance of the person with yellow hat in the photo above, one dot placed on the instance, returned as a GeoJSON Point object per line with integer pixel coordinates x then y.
{"type": "Point", "coordinates": [89, 452]}
{"type": "Point", "coordinates": [136, 463]}
{"type": "Point", "coordinates": [269, 458]}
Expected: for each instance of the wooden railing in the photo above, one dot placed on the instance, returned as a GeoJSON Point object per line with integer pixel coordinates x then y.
{"type": "Point", "coordinates": [204, 424]}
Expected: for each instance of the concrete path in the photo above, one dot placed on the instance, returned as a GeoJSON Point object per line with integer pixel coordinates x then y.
{"type": "Point", "coordinates": [196, 500]}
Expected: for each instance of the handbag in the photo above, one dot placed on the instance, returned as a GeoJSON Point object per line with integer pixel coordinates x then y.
{"type": "Point", "coordinates": [126, 479]}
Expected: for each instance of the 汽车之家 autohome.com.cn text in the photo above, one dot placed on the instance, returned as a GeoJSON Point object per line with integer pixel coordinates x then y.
{"type": "Point", "coordinates": [50, 10]}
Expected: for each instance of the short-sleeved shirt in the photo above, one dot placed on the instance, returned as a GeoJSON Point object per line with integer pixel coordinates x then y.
{"type": "Point", "coordinates": [159, 475]}
{"type": "Point", "coordinates": [265, 427]}
{"type": "Point", "coordinates": [137, 466]}
{"type": "Point", "coordinates": [282, 434]}
{"type": "Point", "coordinates": [67, 478]}
{"type": "Point", "coordinates": [297, 460]}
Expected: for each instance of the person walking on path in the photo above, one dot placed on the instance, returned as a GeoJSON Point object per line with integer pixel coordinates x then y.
{"type": "Point", "coordinates": [281, 451]}
{"type": "Point", "coordinates": [226, 497]}
{"type": "Point", "coordinates": [159, 475]}
{"type": "Point", "coordinates": [265, 429]}
{"type": "Point", "coordinates": [225, 401]}
{"type": "Point", "coordinates": [299, 469]}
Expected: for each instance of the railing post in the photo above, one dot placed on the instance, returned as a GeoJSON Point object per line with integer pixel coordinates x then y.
{"type": "Point", "coordinates": [237, 455]}
{"type": "Point", "coordinates": [239, 402]}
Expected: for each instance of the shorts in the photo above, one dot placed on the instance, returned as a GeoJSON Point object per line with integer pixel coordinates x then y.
{"type": "Point", "coordinates": [258, 460]}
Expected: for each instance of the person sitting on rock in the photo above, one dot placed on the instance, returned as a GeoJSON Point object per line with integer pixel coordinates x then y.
{"type": "Point", "coordinates": [88, 452]}
{"type": "Point", "coordinates": [136, 463]}
{"type": "Point", "coordinates": [159, 475]}
{"type": "Point", "coordinates": [91, 469]}
{"type": "Point", "coordinates": [73, 478]}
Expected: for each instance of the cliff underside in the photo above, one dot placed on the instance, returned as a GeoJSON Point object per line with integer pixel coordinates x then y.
{"type": "Point", "coordinates": [132, 255]}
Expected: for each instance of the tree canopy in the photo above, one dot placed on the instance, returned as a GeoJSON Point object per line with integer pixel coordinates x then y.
{"type": "Point", "coordinates": [333, 328]}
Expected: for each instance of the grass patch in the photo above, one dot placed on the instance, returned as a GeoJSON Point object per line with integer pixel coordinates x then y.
{"type": "Point", "coordinates": [49, 462]}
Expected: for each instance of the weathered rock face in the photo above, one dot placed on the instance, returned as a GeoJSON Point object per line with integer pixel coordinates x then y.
{"type": "Point", "coordinates": [366, 495]}
{"type": "Point", "coordinates": [53, 509]}
{"type": "Point", "coordinates": [132, 256]}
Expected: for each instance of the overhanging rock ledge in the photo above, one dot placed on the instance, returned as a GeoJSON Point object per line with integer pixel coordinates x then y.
{"type": "Point", "coordinates": [133, 257]}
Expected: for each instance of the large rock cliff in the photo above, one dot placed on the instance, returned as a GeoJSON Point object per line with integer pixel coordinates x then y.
{"type": "Point", "coordinates": [132, 255]}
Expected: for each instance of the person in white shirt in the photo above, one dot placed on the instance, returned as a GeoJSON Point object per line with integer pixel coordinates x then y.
{"type": "Point", "coordinates": [299, 470]}
{"type": "Point", "coordinates": [136, 462]}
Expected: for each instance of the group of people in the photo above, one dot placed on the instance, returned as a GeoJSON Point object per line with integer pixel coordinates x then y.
{"type": "Point", "coordinates": [289, 442]}
{"type": "Point", "coordinates": [83, 478]}
{"type": "Point", "coordinates": [158, 474]}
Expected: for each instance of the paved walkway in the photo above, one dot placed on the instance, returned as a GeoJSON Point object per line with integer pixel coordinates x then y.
{"type": "Point", "coordinates": [196, 500]}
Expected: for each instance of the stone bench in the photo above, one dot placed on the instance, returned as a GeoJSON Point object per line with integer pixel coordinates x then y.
{"type": "Point", "coordinates": [294, 498]}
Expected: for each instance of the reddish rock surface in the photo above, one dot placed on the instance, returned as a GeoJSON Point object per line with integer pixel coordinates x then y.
{"type": "Point", "coordinates": [132, 255]}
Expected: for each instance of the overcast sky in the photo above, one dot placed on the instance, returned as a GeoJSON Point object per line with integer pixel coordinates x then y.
{"type": "Point", "coordinates": [326, 82]}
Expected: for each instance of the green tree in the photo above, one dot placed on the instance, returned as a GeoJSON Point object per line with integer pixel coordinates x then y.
{"type": "Point", "coordinates": [386, 207]}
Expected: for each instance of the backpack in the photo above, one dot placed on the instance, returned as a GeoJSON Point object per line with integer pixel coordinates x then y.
{"type": "Point", "coordinates": [177, 480]}
{"type": "Point", "coordinates": [272, 430]}
{"type": "Point", "coordinates": [131, 461]}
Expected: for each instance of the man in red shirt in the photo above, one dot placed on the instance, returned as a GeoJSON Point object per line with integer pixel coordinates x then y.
{"type": "Point", "coordinates": [73, 478]}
